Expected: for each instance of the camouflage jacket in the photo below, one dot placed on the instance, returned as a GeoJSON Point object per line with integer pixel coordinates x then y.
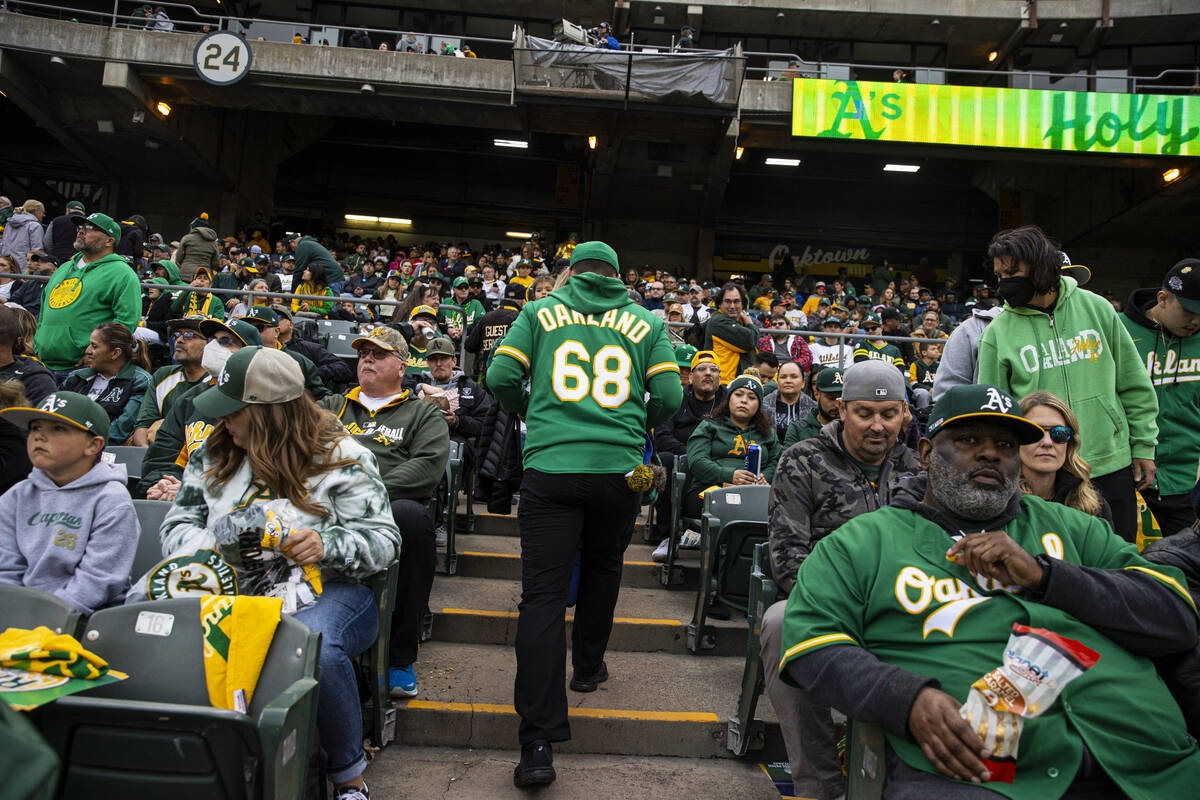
{"type": "Point", "coordinates": [818, 487]}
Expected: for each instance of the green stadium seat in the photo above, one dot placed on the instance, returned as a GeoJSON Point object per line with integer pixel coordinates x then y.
{"type": "Point", "coordinates": [150, 514]}
{"type": "Point", "coordinates": [670, 574]}
{"type": "Point", "coordinates": [131, 457]}
{"type": "Point", "coordinates": [29, 608]}
{"type": "Point", "coordinates": [742, 732]}
{"type": "Point", "coordinates": [867, 754]}
{"type": "Point", "coordinates": [735, 519]}
{"type": "Point", "coordinates": [339, 344]}
{"type": "Point", "coordinates": [155, 734]}
{"type": "Point", "coordinates": [454, 477]}
{"type": "Point", "coordinates": [379, 715]}
{"type": "Point", "coordinates": [328, 327]}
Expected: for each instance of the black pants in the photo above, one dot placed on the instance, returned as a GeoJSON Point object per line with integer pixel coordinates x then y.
{"type": "Point", "coordinates": [561, 515]}
{"type": "Point", "coordinates": [418, 560]}
{"type": "Point", "coordinates": [1172, 512]}
{"type": "Point", "coordinates": [1117, 488]}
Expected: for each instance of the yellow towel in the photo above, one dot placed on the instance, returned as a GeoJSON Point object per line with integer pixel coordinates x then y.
{"type": "Point", "coordinates": [237, 633]}
{"type": "Point", "coordinates": [43, 650]}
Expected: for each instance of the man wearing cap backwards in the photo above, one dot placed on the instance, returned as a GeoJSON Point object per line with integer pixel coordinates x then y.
{"type": "Point", "coordinates": [411, 443]}
{"type": "Point", "coordinates": [591, 354]}
{"type": "Point", "coordinates": [896, 613]}
{"type": "Point", "coordinates": [493, 326]}
{"type": "Point", "coordinates": [826, 389]}
{"type": "Point", "coordinates": [1163, 323]}
{"type": "Point", "coordinates": [851, 467]}
{"type": "Point", "coordinates": [309, 251]}
{"type": "Point", "coordinates": [170, 382]}
{"type": "Point", "coordinates": [1055, 337]}
{"type": "Point", "coordinates": [94, 287]}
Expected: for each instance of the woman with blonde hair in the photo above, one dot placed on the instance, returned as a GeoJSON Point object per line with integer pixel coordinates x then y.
{"type": "Point", "coordinates": [1052, 468]}
{"type": "Point", "coordinates": [272, 444]}
{"type": "Point", "coordinates": [23, 232]}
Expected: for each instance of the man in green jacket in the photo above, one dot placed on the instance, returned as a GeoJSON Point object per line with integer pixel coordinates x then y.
{"type": "Point", "coordinates": [899, 611]}
{"type": "Point", "coordinates": [309, 251]}
{"type": "Point", "coordinates": [94, 287]}
{"type": "Point", "coordinates": [411, 442]}
{"type": "Point", "coordinates": [590, 355]}
{"type": "Point", "coordinates": [1055, 337]}
{"type": "Point", "coordinates": [1163, 324]}
{"type": "Point", "coordinates": [731, 333]}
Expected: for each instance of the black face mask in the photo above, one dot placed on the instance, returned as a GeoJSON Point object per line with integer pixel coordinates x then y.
{"type": "Point", "coordinates": [1016, 291]}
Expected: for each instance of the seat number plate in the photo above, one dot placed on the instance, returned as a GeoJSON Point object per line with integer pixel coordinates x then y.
{"type": "Point", "coordinates": [153, 623]}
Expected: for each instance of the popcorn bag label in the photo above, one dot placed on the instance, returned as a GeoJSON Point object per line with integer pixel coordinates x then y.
{"type": "Point", "coordinates": [1037, 665]}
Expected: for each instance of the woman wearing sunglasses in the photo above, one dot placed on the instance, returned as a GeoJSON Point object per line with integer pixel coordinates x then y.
{"type": "Point", "coordinates": [1052, 468]}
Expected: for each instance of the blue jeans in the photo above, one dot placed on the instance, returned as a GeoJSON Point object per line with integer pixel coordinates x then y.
{"type": "Point", "coordinates": [336, 287]}
{"type": "Point", "coordinates": [348, 622]}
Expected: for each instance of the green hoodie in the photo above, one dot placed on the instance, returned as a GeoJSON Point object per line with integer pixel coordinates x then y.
{"type": "Point", "coordinates": [718, 447]}
{"type": "Point", "coordinates": [1173, 364]}
{"type": "Point", "coordinates": [591, 355]}
{"type": "Point", "coordinates": [1082, 353]}
{"type": "Point", "coordinates": [77, 299]}
{"type": "Point", "coordinates": [310, 251]}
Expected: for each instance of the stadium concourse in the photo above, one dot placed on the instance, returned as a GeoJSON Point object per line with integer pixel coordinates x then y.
{"type": "Point", "coordinates": [229, 374]}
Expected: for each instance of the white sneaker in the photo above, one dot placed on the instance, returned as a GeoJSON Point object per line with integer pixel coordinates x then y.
{"type": "Point", "coordinates": [690, 539]}
{"type": "Point", "coordinates": [660, 552]}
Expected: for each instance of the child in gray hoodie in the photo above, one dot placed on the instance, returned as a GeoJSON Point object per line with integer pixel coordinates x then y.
{"type": "Point", "coordinates": [69, 529]}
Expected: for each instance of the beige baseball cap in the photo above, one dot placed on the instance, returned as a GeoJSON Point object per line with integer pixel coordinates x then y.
{"type": "Point", "coordinates": [252, 376]}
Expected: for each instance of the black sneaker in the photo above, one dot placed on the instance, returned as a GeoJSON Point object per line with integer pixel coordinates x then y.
{"type": "Point", "coordinates": [589, 683]}
{"type": "Point", "coordinates": [537, 765]}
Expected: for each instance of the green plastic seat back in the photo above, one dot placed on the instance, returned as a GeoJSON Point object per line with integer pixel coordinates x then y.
{"type": "Point", "coordinates": [131, 457]}
{"type": "Point", "coordinates": [29, 608]}
{"type": "Point", "coordinates": [150, 514]}
{"type": "Point", "coordinates": [742, 512]}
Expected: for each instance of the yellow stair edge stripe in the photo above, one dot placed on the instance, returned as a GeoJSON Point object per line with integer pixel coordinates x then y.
{"type": "Point", "coordinates": [518, 555]}
{"type": "Point", "coordinates": [593, 713]}
{"type": "Point", "coordinates": [671, 623]}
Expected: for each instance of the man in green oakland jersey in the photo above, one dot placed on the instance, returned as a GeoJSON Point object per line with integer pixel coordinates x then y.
{"type": "Point", "coordinates": [1163, 323]}
{"type": "Point", "coordinates": [874, 349]}
{"type": "Point", "coordinates": [591, 355]}
{"type": "Point", "coordinates": [896, 613]}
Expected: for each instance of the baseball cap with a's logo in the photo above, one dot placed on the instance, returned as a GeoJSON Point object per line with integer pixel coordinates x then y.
{"type": "Point", "coordinates": [829, 380]}
{"type": "Point", "coordinates": [74, 409]}
{"type": "Point", "coordinates": [981, 402]}
{"type": "Point", "coordinates": [252, 376]}
{"type": "Point", "coordinates": [1183, 281]}
{"type": "Point", "coordinates": [102, 221]}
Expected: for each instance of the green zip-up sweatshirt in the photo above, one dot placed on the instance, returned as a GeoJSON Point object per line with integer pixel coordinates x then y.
{"type": "Point", "coordinates": [409, 438]}
{"type": "Point", "coordinates": [77, 299]}
{"type": "Point", "coordinates": [718, 447]}
{"type": "Point", "coordinates": [1173, 365]}
{"type": "Point", "coordinates": [591, 355]}
{"type": "Point", "coordinates": [1082, 353]}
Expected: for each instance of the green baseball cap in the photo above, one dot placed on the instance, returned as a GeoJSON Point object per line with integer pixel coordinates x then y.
{"type": "Point", "coordinates": [69, 407]}
{"type": "Point", "coordinates": [102, 221]}
{"type": "Point", "coordinates": [829, 380]}
{"type": "Point", "coordinates": [252, 376]}
{"type": "Point", "coordinates": [246, 333]}
{"type": "Point", "coordinates": [261, 317]}
{"type": "Point", "coordinates": [75, 204]}
{"type": "Point", "coordinates": [597, 250]}
{"type": "Point", "coordinates": [440, 347]}
{"type": "Point", "coordinates": [683, 356]}
{"type": "Point", "coordinates": [460, 282]}
{"type": "Point", "coordinates": [980, 401]}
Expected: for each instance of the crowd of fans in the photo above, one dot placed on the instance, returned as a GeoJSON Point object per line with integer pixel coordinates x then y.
{"type": "Point", "coordinates": [234, 393]}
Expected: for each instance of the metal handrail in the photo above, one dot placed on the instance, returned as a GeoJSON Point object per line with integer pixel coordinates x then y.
{"type": "Point", "coordinates": [819, 334]}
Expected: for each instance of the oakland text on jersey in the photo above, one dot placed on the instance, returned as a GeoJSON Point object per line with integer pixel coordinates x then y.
{"type": "Point", "coordinates": [1172, 368]}
{"type": "Point", "coordinates": [558, 315]}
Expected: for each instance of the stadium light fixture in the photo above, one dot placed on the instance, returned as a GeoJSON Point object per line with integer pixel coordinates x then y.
{"type": "Point", "coordinates": [901, 168]}
{"type": "Point", "coordinates": [592, 142]}
{"type": "Point", "coordinates": [737, 154]}
{"type": "Point", "coordinates": [361, 218]}
{"type": "Point", "coordinates": [395, 221]}
{"type": "Point", "coordinates": [992, 56]}
{"type": "Point", "coordinates": [515, 143]}
{"type": "Point", "coordinates": [782, 162]}
{"type": "Point", "coordinates": [518, 235]}
{"type": "Point", "coordinates": [163, 108]}
{"type": "Point", "coordinates": [1171, 175]}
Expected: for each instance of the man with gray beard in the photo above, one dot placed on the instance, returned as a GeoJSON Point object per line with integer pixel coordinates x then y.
{"type": "Point", "coordinates": [898, 612]}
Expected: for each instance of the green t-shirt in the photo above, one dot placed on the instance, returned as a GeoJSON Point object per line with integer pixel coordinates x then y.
{"type": "Point", "coordinates": [591, 355]}
{"type": "Point", "coordinates": [879, 352]}
{"type": "Point", "coordinates": [882, 581]}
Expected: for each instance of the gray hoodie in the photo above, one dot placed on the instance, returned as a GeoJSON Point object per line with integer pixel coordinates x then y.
{"type": "Point", "coordinates": [960, 358]}
{"type": "Point", "coordinates": [75, 541]}
{"type": "Point", "coordinates": [22, 233]}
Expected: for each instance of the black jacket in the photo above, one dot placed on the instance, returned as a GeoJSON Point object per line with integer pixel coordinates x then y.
{"type": "Point", "coordinates": [37, 380]}
{"type": "Point", "coordinates": [473, 406]}
{"type": "Point", "coordinates": [14, 456]}
{"type": "Point", "coordinates": [672, 436]}
{"type": "Point", "coordinates": [59, 239]}
{"type": "Point", "coordinates": [487, 332]}
{"type": "Point", "coordinates": [1181, 672]}
{"type": "Point", "coordinates": [28, 294]}
{"type": "Point", "coordinates": [499, 446]}
{"type": "Point", "coordinates": [333, 370]}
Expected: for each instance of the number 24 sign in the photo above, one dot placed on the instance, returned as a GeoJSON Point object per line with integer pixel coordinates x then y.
{"type": "Point", "coordinates": [222, 58]}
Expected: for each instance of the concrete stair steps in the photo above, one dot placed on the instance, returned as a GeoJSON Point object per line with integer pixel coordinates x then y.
{"type": "Point", "coordinates": [659, 704]}
{"type": "Point", "coordinates": [506, 524]}
{"type": "Point", "coordinates": [484, 556]}
{"type": "Point", "coordinates": [462, 773]}
{"type": "Point", "coordinates": [484, 611]}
